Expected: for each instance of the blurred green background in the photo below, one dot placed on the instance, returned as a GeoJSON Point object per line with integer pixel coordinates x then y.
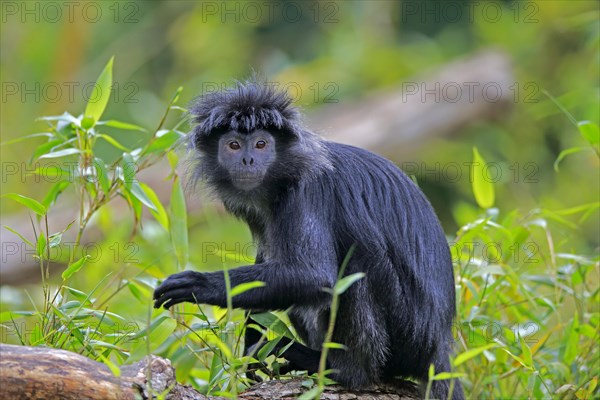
{"type": "Point", "coordinates": [52, 52]}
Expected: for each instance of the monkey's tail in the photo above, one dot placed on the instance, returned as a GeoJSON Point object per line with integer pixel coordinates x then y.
{"type": "Point", "coordinates": [440, 389]}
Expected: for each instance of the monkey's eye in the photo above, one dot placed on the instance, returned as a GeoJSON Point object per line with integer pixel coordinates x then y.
{"type": "Point", "coordinates": [261, 144]}
{"type": "Point", "coordinates": [234, 146]}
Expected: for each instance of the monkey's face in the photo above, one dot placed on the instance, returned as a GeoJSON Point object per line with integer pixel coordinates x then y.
{"type": "Point", "coordinates": [246, 157]}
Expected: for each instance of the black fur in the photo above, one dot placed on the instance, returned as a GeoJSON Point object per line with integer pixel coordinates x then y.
{"type": "Point", "coordinates": [317, 200]}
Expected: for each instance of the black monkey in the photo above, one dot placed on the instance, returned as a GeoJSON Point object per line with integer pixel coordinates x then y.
{"type": "Point", "coordinates": [307, 201]}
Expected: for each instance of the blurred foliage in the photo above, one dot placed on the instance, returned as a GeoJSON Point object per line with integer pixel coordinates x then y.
{"type": "Point", "coordinates": [527, 270]}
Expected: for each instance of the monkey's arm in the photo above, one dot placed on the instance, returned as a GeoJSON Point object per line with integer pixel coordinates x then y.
{"type": "Point", "coordinates": [285, 285]}
{"type": "Point", "coordinates": [301, 262]}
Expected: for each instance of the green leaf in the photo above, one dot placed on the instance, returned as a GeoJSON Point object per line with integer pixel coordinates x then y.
{"type": "Point", "coordinates": [589, 131]}
{"type": "Point", "coordinates": [79, 295]}
{"type": "Point", "coordinates": [76, 266]}
{"type": "Point", "coordinates": [64, 117]}
{"type": "Point", "coordinates": [176, 95]}
{"type": "Point", "coordinates": [101, 93]}
{"type": "Point", "coordinates": [273, 322]}
{"type": "Point", "coordinates": [61, 153]}
{"type": "Point", "coordinates": [8, 228]}
{"type": "Point", "coordinates": [55, 240]}
{"type": "Point", "coordinates": [225, 350]}
{"type": "Point", "coordinates": [20, 139]}
{"type": "Point", "coordinates": [333, 345]}
{"type": "Point", "coordinates": [163, 140]}
{"type": "Point", "coordinates": [139, 194]}
{"type": "Point", "coordinates": [44, 148]}
{"type": "Point", "coordinates": [121, 125]}
{"type": "Point", "coordinates": [483, 189]}
{"type": "Point", "coordinates": [516, 358]}
{"type": "Point", "coordinates": [178, 223]}
{"type": "Point", "coordinates": [266, 349]}
{"type": "Point", "coordinates": [571, 341]}
{"type": "Point", "coordinates": [40, 245]}
{"type": "Point", "coordinates": [136, 292]}
{"type": "Point", "coordinates": [113, 141]}
{"type": "Point", "coordinates": [54, 192]}
{"type": "Point", "coordinates": [135, 204]}
{"type": "Point", "coordinates": [244, 287]}
{"type": "Point", "coordinates": [308, 383]}
{"type": "Point", "coordinates": [50, 172]}
{"type": "Point", "coordinates": [526, 352]}
{"type": "Point", "coordinates": [173, 159]}
{"type": "Point", "coordinates": [265, 319]}
{"type": "Point", "coordinates": [567, 152]}
{"type": "Point", "coordinates": [159, 212]}
{"type": "Point", "coordinates": [311, 394]}
{"type": "Point", "coordinates": [30, 203]}
{"type": "Point", "coordinates": [593, 384]}
{"type": "Point", "coordinates": [102, 174]}
{"type": "Point", "coordinates": [12, 315]}
{"type": "Point", "coordinates": [467, 355]}
{"type": "Point", "coordinates": [129, 170]}
{"type": "Point", "coordinates": [87, 122]}
{"type": "Point", "coordinates": [447, 375]}
{"type": "Point", "coordinates": [114, 368]}
{"type": "Point", "coordinates": [343, 284]}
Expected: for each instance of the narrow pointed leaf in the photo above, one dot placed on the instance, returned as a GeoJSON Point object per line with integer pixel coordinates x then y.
{"type": "Point", "coordinates": [121, 125]}
{"type": "Point", "coordinates": [590, 132]}
{"type": "Point", "coordinates": [113, 141]}
{"type": "Point", "coordinates": [20, 139]}
{"type": "Point", "coordinates": [100, 93]}
{"type": "Point", "coordinates": [30, 203]}
{"type": "Point", "coordinates": [467, 355]}
{"type": "Point", "coordinates": [61, 153]}
{"type": "Point", "coordinates": [159, 212]}
{"type": "Point", "coordinates": [44, 148]}
{"type": "Point", "coordinates": [244, 287]}
{"type": "Point", "coordinates": [76, 266]}
{"type": "Point", "coordinates": [483, 188]}
{"type": "Point", "coordinates": [8, 228]}
{"type": "Point", "coordinates": [178, 223]}
{"type": "Point", "coordinates": [54, 192]}
{"type": "Point", "coordinates": [102, 174]}
{"type": "Point", "coordinates": [343, 284]}
{"type": "Point", "coordinates": [566, 152]}
{"type": "Point", "coordinates": [139, 193]}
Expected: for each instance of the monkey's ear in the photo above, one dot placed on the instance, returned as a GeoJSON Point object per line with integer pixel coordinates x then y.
{"type": "Point", "coordinates": [200, 140]}
{"type": "Point", "coordinates": [194, 139]}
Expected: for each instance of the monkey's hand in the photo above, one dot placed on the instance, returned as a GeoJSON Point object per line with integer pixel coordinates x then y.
{"type": "Point", "coordinates": [186, 286]}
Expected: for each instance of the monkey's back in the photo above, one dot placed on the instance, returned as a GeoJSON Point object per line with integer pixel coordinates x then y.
{"type": "Point", "coordinates": [401, 248]}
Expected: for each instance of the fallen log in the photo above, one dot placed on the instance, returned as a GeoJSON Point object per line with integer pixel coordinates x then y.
{"type": "Point", "coordinates": [40, 373]}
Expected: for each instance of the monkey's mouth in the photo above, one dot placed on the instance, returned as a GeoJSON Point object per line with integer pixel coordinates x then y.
{"type": "Point", "coordinates": [247, 181]}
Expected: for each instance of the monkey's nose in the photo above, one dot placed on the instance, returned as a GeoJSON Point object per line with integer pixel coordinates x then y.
{"type": "Point", "coordinates": [248, 161]}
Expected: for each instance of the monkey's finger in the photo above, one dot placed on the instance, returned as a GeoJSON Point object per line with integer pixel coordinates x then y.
{"type": "Point", "coordinates": [179, 280]}
{"type": "Point", "coordinates": [169, 285]}
{"type": "Point", "coordinates": [161, 301]}
{"type": "Point", "coordinates": [166, 302]}
{"type": "Point", "coordinates": [175, 296]}
{"type": "Point", "coordinates": [171, 303]}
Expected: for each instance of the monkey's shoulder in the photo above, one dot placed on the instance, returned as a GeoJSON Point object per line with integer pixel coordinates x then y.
{"type": "Point", "coordinates": [358, 169]}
